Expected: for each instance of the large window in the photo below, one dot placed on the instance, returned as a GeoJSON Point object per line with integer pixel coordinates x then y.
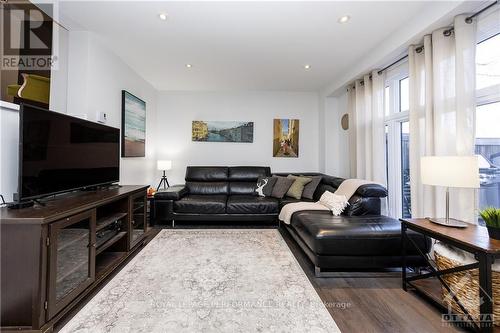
{"type": "Point", "coordinates": [488, 120]}
{"type": "Point", "coordinates": [397, 104]}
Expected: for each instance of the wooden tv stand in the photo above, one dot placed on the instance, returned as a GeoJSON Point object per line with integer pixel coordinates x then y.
{"type": "Point", "coordinates": [53, 256]}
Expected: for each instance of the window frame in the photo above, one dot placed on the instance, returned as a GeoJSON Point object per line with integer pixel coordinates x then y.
{"type": "Point", "coordinates": [487, 95]}
{"type": "Point", "coordinates": [393, 122]}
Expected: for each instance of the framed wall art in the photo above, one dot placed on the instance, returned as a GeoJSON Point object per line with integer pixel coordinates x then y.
{"type": "Point", "coordinates": [133, 126]}
{"type": "Point", "coordinates": [222, 131]}
{"type": "Point", "coordinates": [286, 138]}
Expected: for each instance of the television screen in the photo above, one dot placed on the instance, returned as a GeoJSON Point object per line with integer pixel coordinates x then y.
{"type": "Point", "coordinates": [60, 153]}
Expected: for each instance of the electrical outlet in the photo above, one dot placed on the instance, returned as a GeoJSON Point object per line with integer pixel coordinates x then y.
{"type": "Point", "coordinates": [102, 117]}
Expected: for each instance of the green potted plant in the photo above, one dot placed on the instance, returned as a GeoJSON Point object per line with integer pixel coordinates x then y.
{"type": "Point", "coordinates": [491, 217]}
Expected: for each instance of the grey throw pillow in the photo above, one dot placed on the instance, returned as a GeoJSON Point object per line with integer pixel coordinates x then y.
{"type": "Point", "coordinates": [310, 188]}
{"type": "Point", "coordinates": [265, 186]}
{"type": "Point", "coordinates": [281, 187]}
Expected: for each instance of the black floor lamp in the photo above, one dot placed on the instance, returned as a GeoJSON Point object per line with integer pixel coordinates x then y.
{"type": "Point", "coordinates": [164, 165]}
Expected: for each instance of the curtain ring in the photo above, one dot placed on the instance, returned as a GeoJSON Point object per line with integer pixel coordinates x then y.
{"type": "Point", "coordinates": [419, 49]}
{"type": "Point", "coordinates": [448, 32]}
{"type": "Point", "coordinates": [468, 20]}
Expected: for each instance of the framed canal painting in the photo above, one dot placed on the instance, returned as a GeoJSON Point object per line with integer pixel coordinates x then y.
{"type": "Point", "coordinates": [286, 138]}
{"type": "Point", "coordinates": [222, 131]}
{"type": "Point", "coordinates": [133, 126]}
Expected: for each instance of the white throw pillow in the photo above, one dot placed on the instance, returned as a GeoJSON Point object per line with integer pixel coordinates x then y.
{"type": "Point", "coordinates": [336, 203]}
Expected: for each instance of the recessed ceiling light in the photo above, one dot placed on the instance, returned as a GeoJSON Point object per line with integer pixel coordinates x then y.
{"type": "Point", "coordinates": [307, 66]}
{"type": "Point", "coordinates": [162, 16]}
{"type": "Point", "coordinates": [344, 19]}
{"type": "Point", "coordinates": [189, 65]}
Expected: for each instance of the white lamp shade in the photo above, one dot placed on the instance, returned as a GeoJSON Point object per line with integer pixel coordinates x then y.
{"type": "Point", "coordinates": [164, 165]}
{"type": "Point", "coordinates": [450, 171]}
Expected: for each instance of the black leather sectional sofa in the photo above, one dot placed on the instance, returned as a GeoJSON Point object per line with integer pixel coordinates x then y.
{"type": "Point", "coordinates": [217, 194]}
{"type": "Point", "coordinates": [361, 238]}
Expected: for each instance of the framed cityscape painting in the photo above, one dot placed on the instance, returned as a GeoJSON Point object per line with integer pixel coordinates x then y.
{"type": "Point", "coordinates": [222, 131]}
{"type": "Point", "coordinates": [286, 138]}
{"type": "Point", "coordinates": [133, 126]}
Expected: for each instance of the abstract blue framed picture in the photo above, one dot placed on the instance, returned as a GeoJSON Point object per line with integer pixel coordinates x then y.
{"type": "Point", "coordinates": [133, 126]}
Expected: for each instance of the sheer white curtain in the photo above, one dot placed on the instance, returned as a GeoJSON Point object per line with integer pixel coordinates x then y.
{"type": "Point", "coordinates": [442, 113]}
{"type": "Point", "coordinates": [366, 133]}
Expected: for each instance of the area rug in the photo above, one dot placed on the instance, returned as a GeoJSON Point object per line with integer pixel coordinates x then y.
{"type": "Point", "coordinates": [208, 281]}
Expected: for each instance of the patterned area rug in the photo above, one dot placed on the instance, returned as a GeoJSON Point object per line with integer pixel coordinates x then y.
{"type": "Point", "coordinates": [208, 281]}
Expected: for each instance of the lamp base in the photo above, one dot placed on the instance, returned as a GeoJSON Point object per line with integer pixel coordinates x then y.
{"type": "Point", "coordinates": [449, 222]}
{"type": "Point", "coordinates": [165, 183]}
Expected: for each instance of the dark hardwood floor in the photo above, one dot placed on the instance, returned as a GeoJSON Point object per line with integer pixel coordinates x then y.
{"type": "Point", "coordinates": [371, 302]}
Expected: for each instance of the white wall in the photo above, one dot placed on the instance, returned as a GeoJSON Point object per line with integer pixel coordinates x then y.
{"type": "Point", "coordinates": [9, 149]}
{"type": "Point", "coordinates": [59, 73]}
{"type": "Point", "coordinates": [176, 111]}
{"type": "Point", "coordinates": [96, 77]}
{"type": "Point", "coordinates": [322, 131]}
{"type": "Point", "coordinates": [336, 138]}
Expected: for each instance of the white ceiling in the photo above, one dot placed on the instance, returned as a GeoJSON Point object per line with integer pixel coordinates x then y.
{"type": "Point", "coordinates": [241, 45]}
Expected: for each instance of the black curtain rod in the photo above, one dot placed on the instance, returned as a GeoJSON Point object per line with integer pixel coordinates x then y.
{"type": "Point", "coordinates": [469, 19]}
{"type": "Point", "coordinates": [447, 32]}
{"type": "Point", "coordinates": [418, 49]}
{"type": "Point", "coordinates": [392, 64]}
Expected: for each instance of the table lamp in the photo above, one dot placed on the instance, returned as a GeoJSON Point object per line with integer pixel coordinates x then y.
{"type": "Point", "coordinates": [164, 165]}
{"type": "Point", "coordinates": [450, 171]}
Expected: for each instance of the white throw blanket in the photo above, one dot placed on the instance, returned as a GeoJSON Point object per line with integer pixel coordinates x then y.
{"type": "Point", "coordinates": [349, 186]}
{"type": "Point", "coordinates": [289, 209]}
{"type": "Point", "coordinates": [335, 202]}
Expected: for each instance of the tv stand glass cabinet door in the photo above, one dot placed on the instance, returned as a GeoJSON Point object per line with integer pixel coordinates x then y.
{"type": "Point", "coordinates": [71, 259]}
{"type": "Point", "coordinates": [138, 224]}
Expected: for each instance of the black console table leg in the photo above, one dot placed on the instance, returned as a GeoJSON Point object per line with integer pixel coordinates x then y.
{"type": "Point", "coordinates": [403, 255]}
{"type": "Point", "coordinates": [485, 292]}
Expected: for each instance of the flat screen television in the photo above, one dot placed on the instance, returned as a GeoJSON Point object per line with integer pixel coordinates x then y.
{"type": "Point", "coordinates": [60, 153]}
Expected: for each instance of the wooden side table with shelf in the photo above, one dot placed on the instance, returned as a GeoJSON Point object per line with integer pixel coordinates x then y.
{"type": "Point", "coordinates": [473, 239]}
